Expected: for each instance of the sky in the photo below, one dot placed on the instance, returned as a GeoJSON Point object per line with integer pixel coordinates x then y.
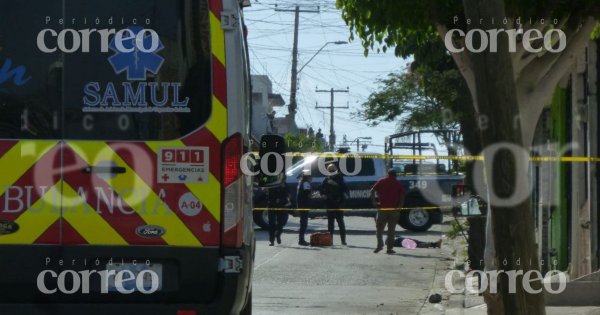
{"type": "Point", "coordinates": [271, 35]}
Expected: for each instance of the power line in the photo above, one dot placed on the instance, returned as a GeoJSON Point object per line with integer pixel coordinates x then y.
{"type": "Point", "coordinates": [272, 44]}
{"type": "Point", "coordinates": [309, 113]}
{"type": "Point", "coordinates": [331, 117]}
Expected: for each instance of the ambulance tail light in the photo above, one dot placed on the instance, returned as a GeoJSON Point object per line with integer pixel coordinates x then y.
{"type": "Point", "coordinates": [232, 193]}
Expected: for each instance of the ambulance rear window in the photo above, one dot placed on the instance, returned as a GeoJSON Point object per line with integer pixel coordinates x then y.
{"type": "Point", "coordinates": [104, 69]}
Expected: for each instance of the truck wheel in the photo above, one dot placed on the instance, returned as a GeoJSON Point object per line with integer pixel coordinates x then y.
{"type": "Point", "coordinates": [261, 218]}
{"type": "Point", "coordinates": [416, 220]}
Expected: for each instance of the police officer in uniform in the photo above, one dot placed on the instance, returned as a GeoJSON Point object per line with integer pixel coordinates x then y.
{"type": "Point", "coordinates": [303, 200]}
{"type": "Point", "coordinates": [335, 191]}
{"type": "Point", "coordinates": [278, 198]}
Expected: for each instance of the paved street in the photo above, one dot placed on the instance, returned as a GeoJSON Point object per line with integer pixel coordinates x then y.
{"type": "Point", "coordinates": [291, 279]}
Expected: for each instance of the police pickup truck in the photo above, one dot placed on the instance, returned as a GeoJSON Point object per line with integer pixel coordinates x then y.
{"type": "Point", "coordinates": [429, 187]}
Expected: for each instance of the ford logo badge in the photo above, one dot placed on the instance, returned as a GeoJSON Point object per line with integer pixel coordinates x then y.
{"type": "Point", "coordinates": [8, 227]}
{"type": "Point", "coordinates": [150, 231]}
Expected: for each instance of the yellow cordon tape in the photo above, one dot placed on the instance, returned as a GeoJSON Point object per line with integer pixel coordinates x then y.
{"type": "Point", "coordinates": [350, 209]}
{"type": "Point", "coordinates": [568, 159]}
{"type": "Point", "coordinates": [386, 156]}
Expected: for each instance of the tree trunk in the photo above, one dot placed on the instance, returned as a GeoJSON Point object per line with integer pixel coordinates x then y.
{"type": "Point", "coordinates": [469, 128]}
{"type": "Point", "coordinates": [512, 225]}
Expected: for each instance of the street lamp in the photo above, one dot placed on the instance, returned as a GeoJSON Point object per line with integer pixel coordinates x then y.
{"type": "Point", "coordinates": [339, 42]}
{"type": "Point", "coordinates": [295, 73]}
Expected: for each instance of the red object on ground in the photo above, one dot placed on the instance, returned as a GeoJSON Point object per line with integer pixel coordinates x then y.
{"type": "Point", "coordinates": [321, 239]}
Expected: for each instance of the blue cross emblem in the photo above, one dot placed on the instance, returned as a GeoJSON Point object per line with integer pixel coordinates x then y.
{"type": "Point", "coordinates": [136, 63]}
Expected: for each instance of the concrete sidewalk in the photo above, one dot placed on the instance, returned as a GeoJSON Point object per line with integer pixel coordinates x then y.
{"type": "Point", "coordinates": [549, 311]}
{"type": "Point", "coordinates": [473, 304]}
{"type": "Point", "coordinates": [453, 252]}
{"type": "Point", "coordinates": [481, 309]}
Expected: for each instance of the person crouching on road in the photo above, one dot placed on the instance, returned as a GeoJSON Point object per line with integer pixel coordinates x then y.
{"type": "Point", "coordinates": [304, 202]}
{"type": "Point", "coordinates": [390, 193]}
{"type": "Point", "coordinates": [278, 198]}
{"type": "Point", "coordinates": [335, 190]}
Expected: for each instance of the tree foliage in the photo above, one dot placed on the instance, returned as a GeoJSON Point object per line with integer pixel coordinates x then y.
{"type": "Point", "coordinates": [402, 25]}
{"type": "Point", "coordinates": [407, 95]}
{"type": "Point", "coordinates": [406, 25]}
{"type": "Point", "coordinates": [430, 93]}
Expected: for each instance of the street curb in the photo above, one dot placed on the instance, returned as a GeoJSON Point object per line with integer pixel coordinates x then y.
{"type": "Point", "coordinates": [451, 259]}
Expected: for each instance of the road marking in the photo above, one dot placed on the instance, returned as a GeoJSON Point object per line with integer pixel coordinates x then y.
{"type": "Point", "coordinates": [268, 260]}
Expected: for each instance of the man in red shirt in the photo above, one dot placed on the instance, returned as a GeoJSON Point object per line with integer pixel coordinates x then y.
{"type": "Point", "coordinates": [390, 193]}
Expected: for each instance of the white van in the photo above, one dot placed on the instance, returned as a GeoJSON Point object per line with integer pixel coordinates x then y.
{"type": "Point", "coordinates": [122, 128]}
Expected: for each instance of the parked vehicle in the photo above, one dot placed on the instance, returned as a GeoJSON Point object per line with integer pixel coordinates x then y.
{"type": "Point", "coordinates": [428, 193]}
{"type": "Point", "coordinates": [434, 184]}
{"type": "Point", "coordinates": [122, 130]}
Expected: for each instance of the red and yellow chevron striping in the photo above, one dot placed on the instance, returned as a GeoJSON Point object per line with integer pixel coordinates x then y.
{"type": "Point", "coordinates": [44, 190]}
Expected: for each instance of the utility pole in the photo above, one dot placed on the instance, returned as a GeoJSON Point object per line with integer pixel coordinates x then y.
{"type": "Point", "coordinates": [331, 110]}
{"type": "Point", "coordinates": [294, 88]}
{"type": "Point", "coordinates": [293, 104]}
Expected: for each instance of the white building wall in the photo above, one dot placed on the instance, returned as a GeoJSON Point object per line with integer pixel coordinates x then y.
{"type": "Point", "coordinates": [261, 87]}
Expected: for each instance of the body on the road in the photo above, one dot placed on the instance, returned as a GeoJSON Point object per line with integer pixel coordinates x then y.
{"type": "Point", "coordinates": [399, 242]}
{"type": "Point", "coordinates": [387, 196]}
{"type": "Point", "coordinates": [335, 190]}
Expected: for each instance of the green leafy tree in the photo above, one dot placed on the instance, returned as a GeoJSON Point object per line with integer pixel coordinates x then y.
{"type": "Point", "coordinates": [509, 92]}
{"type": "Point", "coordinates": [430, 94]}
{"type": "Point", "coordinates": [402, 96]}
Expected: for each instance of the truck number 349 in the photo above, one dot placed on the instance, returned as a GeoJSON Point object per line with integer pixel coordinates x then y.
{"type": "Point", "coordinates": [417, 184]}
